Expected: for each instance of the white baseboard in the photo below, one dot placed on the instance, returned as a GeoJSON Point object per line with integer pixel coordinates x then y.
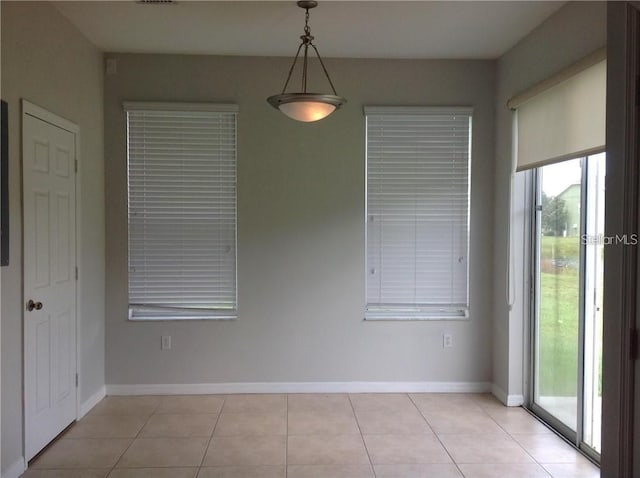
{"type": "Point", "coordinates": [299, 387]}
{"type": "Point", "coordinates": [499, 393]}
{"type": "Point", "coordinates": [92, 401]}
{"type": "Point", "coordinates": [16, 469]}
{"type": "Point", "coordinates": [508, 400]}
{"type": "Point", "coordinates": [515, 400]}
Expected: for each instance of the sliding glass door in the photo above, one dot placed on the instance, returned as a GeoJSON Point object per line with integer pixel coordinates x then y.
{"type": "Point", "coordinates": [558, 290]}
{"type": "Point", "coordinates": [567, 325]}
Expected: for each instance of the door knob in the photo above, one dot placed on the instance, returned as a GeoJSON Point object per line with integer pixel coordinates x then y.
{"type": "Point", "coordinates": [31, 305]}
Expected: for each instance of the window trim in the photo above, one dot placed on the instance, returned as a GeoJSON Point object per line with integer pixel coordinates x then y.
{"type": "Point", "coordinates": [412, 312]}
{"type": "Point", "coordinates": [178, 106]}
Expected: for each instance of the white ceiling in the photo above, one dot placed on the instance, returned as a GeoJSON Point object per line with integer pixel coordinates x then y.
{"type": "Point", "coordinates": [357, 29]}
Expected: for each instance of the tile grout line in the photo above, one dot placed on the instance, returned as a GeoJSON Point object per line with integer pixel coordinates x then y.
{"type": "Point", "coordinates": [546, 425]}
{"type": "Point", "coordinates": [355, 416]}
{"type": "Point", "coordinates": [421, 414]}
{"type": "Point", "coordinates": [516, 441]}
{"type": "Point", "coordinates": [286, 439]}
{"type": "Point", "coordinates": [206, 450]}
{"type": "Point", "coordinates": [134, 438]}
{"type": "Point", "coordinates": [560, 436]}
{"type": "Point", "coordinates": [513, 438]}
{"type": "Point", "coordinates": [436, 435]}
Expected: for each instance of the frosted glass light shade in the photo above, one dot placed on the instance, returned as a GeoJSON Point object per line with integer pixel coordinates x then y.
{"type": "Point", "coordinates": [307, 111]}
{"type": "Point", "coordinates": [306, 107]}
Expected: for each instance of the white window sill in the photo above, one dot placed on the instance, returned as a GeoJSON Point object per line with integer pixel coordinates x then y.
{"type": "Point", "coordinates": [146, 314]}
{"type": "Point", "coordinates": [180, 318]}
{"type": "Point", "coordinates": [414, 314]}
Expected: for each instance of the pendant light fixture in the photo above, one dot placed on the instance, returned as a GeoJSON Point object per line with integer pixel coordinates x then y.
{"type": "Point", "coordinates": [306, 106]}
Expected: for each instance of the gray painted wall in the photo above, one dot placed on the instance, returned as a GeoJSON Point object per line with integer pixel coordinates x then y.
{"type": "Point", "coordinates": [47, 61]}
{"type": "Point", "coordinates": [300, 230]}
{"type": "Point", "coordinates": [573, 32]}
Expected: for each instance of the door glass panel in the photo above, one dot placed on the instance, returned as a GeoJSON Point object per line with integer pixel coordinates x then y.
{"type": "Point", "coordinates": [594, 242]}
{"type": "Point", "coordinates": [557, 324]}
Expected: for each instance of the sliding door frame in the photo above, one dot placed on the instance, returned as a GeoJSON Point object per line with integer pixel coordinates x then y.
{"type": "Point", "coordinates": [621, 383]}
{"type": "Point", "coordinates": [575, 437]}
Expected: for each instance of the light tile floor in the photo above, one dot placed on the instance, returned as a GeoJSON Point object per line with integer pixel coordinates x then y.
{"type": "Point", "coordinates": [309, 436]}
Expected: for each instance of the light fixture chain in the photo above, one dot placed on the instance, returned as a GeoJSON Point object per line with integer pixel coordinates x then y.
{"type": "Point", "coordinates": [293, 65]}
{"type": "Point", "coordinates": [304, 67]}
{"type": "Point", "coordinates": [324, 69]}
{"type": "Point", "coordinates": [307, 29]}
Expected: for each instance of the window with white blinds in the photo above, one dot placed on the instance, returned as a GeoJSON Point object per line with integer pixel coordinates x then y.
{"type": "Point", "coordinates": [182, 210]}
{"type": "Point", "coordinates": [417, 212]}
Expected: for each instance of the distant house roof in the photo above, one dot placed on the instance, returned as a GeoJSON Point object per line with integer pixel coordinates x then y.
{"type": "Point", "coordinates": [569, 188]}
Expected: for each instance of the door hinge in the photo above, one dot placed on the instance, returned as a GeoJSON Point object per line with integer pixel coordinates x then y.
{"type": "Point", "coordinates": [76, 273]}
{"type": "Point", "coordinates": [75, 165]}
{"type": "Point", "coordinates": [77, 380]}
{"type": "Point", "coordinates": [633, 345]}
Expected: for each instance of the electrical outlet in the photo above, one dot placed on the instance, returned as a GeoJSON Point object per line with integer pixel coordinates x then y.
{"type": "Point", "coordinates": [166, 342]}
{"type": "Point", "coordinates": [447, 341]}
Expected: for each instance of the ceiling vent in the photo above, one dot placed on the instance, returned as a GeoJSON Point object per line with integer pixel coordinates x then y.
{"type": "Point", "coordinates": [156, 2]}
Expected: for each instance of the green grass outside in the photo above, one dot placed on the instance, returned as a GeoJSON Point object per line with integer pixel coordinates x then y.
{"type": "Point", "coordinates": [558, 334]}
{"type": "Point", "coordinates": [558, 318]}
{"type": "Point", "coordinates": [560, 247]}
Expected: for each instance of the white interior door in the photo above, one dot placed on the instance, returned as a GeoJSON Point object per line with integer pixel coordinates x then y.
{"type": "Point", "coordinates": [49, 280]}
